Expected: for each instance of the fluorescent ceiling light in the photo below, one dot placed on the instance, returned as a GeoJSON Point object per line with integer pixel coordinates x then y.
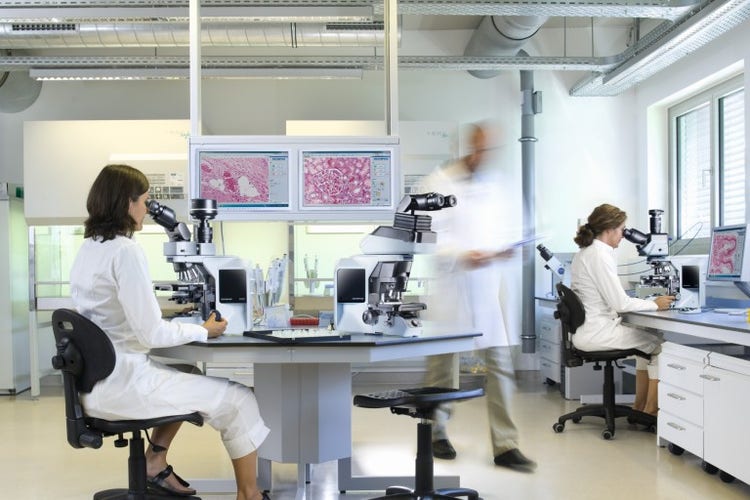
{"type": "Point", "coordinates": [182, 73]}
{"type": "Point", "coordinates": [108, 73]}
{"type": "Point", "coordinates": [288, 14]}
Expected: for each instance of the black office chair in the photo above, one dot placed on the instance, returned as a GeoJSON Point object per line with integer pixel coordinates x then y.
{"type": "Point", "coordinates": [420, 403]}
{"type": "Point", "coordinates": [571, 314]}
{"type": "Point", "coordinates": [85, 355]}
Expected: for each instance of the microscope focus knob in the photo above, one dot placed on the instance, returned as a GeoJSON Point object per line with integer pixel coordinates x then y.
{"type": "Point", "coordinates": [369, 317]}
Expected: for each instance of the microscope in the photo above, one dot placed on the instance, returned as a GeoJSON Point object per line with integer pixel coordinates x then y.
{"type": "Point", "coordinates": [553, 265]}
{"type": "Point", "coordinates": [212, 283]}
{"type": "Point", "coordinates": [369, 288]}
{"type": "Point", "coordinates": [664, 278]}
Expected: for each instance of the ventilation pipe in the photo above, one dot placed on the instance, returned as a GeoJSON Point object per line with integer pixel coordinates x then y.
{"type": "Point", "coordinates": [501, 36]}
{"type": "Point", "coordinates": [17, 91]}
{"type": "Point", "coordinates": [530, 106]}
{"type": "Point", "coordinates": [74, 35]}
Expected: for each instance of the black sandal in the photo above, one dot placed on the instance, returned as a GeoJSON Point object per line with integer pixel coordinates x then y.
{"type": "Point", "coordinates": [159, 483]}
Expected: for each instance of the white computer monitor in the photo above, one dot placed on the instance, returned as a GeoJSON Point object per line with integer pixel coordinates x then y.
{"type": "Point", "coordinates": [729, 257]}
{"type": "Point", "coordinates": [349, 178]}
{"type": "Point", "coordinates": [244, 180]}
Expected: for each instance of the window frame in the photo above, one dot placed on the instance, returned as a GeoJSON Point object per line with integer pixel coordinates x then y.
{"type": "Point", "coordinates": [710, 96]}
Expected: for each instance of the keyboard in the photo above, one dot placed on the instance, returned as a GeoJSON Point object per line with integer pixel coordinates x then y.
{"type": "Point", "coordinates": [292, 335]}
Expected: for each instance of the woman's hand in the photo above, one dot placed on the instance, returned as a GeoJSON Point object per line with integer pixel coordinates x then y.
{"type": "Point", "coordinates": [664, 301]}
{"type": "Point", "coordinates": [215, 328]}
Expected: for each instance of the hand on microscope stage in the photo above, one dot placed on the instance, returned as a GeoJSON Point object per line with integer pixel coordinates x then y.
{"type": "Point", "coordinates": [664, 301]}
{"type": "Point", "coordinates": [215, 328]}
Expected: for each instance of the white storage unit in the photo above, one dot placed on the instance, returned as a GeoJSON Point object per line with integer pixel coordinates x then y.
{"type": "Point", "coordinates": [726, 383]}
{"type": "Point", "coordinates": [702, 408]}
{"type": "Point", "coordinates": [574, 382]}
{"type": "Point", "coordinates": [681, 397]}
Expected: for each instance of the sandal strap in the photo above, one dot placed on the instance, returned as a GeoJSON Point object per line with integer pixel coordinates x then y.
{"type": "Point", "coordinates": [163, 475]}
{"type": "Point", "coordinates": [179, 479]}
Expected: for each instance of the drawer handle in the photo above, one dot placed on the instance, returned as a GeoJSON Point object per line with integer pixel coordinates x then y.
{"type": "Point", "coordinates": [675, 426]}
{"type": "Point", "coordinates": [710, 378]}
{"type": "Point", "coordinates": [546, 365]}
{"type": "Point", "coordinates": [243, 373]}
{"type": "Point", "coordinates": [676, 367]}
{"type": "Point", "coordinates": [676, 396]}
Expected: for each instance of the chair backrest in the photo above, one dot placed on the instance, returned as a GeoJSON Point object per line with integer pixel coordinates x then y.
{"type": "Point", "coordinates": [85, 355]}
{"type": "Point", "coordinates": [571, 313]}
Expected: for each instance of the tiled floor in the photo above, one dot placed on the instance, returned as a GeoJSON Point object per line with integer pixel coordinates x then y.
{"type": "Point", "coordinates": [37, 463]}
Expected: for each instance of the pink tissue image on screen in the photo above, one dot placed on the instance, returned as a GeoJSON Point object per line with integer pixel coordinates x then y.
{"type": "Point", "coordinates": [337, 180]}
{"type": "Point", "coordinates": [723, 254]}
{"type": "Point", "coordinates": [235, 179]}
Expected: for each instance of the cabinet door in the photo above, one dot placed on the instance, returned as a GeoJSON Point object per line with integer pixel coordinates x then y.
{"type": "Point", "coordinates": [726, 412]}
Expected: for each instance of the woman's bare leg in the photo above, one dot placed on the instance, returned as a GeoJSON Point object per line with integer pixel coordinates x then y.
{"type": "Point", "coordinates": [246, 473]}
{"type": "Point", "coordinates": [641, 389]}
{"type": "Point", "coordinates": [156, 460]}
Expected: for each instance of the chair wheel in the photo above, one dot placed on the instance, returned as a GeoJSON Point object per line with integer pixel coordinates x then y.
{"type": "Point", "coordinates": [576, 419]}
{"type": "Point", "coordinates": [558, 427]}
{"type": "Point", "coordinates": [675, 450]}
{"type": "Point", "coordinates": [708, 468]}
{"type": "Point", "coordinates": [727, 478]}
{"type": "Point", "coordinates": [608, 434]}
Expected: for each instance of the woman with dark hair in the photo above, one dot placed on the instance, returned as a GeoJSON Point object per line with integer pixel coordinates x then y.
{"type": "Point", "coordinates": [594, 279]}
{"type": "Point", "coordinates": [111, 286]}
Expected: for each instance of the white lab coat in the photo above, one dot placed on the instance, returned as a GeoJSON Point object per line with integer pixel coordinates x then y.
{"type": "Point", "coordinates": [594, 279]}
{"type": "Point", "coordinates": [484, 299]}
{"type": "Point", "coordinates": [111, 286]}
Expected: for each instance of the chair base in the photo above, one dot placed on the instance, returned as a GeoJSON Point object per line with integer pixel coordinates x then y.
{"type": "Point", "coordinates": [124, 494]}
{"type": "Point", "coordinates": [396, 492]}
{"type": "Point", "coordinates": [609, 415]}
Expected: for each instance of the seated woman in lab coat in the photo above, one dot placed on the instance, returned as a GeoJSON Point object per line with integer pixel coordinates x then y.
{"type": "Point", "coordinates": [594, 279]}
{"type": "Point", "coordinates": [110, 285]}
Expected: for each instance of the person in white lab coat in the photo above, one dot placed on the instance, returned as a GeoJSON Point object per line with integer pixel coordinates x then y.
{"type": "Point", "coordinates": [474, 288]}
{"type": "Point", "coordinates": [594, 279]}
{"type": "Point", "coordinates": [111, 286]}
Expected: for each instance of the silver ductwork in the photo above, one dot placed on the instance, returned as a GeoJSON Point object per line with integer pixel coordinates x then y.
{"type": "Point", "coordinates": [501, 35]}
{"type": "Point", "coordinates": [162, 34]}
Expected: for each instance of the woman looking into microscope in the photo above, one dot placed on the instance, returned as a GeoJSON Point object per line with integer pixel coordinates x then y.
{"type": "Point", "coordinates": [594, 279]}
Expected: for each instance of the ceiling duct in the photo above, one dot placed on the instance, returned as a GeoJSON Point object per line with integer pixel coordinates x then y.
{"type": "Point", "coordinates": [501, 35]}
{"type": "Point", "coordinates": [17, 91]}
{"type": "Point", "coordinates": [162, 34]}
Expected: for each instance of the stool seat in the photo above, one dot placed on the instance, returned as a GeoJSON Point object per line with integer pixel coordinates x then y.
{"type": "Point", "coordinates": [420, 403]}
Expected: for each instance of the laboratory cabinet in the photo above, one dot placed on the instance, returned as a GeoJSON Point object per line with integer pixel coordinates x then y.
{"type": "Point", "coordinates": [703, 408]}
{"type": "Point", "coordinates": [726, 383]}
{"type": "Point", "coordinates": [573, 382]}
{"type": "Point", "coordinates": [681, 397]}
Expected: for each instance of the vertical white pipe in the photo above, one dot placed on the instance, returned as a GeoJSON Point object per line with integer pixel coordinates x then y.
{"type": "Point", "coordinates": [195, 68]}
{"type": "Point", "coordinates": [391, 67]}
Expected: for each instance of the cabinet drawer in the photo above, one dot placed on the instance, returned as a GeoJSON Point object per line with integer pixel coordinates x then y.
{"type": "Point", "coordinates": [549, 369]}
{"type": "Point", "coordinates": [550, 330]}
{"type": "Point", "coordinates": [680, 432]}
{"type": "Point", "coordinates": [242, 374]}
{"type": "Point", "coordinates": [681, 372]}
{"type": "Point", "coordinates": [550, 351]}
{"type": "Point", "coordinates": [677, 401]}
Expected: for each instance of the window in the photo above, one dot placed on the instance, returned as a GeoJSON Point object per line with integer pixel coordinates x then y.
{"type": "Point", "coordinates": [708, 162]}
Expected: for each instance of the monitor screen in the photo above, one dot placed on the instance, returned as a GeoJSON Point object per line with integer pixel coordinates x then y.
{"type": "Point", "coordinates": [242, 180]}
{"type": "Point", "coordinates": [729, 255]}
{"type": "Point", "coordinates": [347, 179]}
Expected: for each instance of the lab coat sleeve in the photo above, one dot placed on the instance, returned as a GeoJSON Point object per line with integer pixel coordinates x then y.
{"type": "Point", "coordinates": [141, 307]}
{"type": "Point", "coordinates": [605, 276]}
